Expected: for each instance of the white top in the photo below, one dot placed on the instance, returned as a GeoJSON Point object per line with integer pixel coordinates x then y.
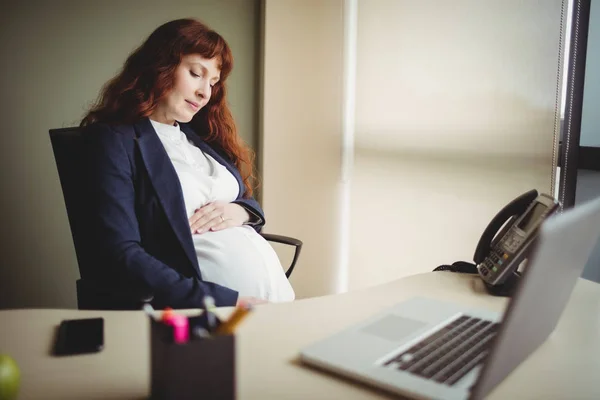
{"type": "Point", "coordinates": [238, 257]}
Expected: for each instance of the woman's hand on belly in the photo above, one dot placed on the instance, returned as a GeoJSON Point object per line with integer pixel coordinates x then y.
{"type": "Point", "coordinates": [218, 216]}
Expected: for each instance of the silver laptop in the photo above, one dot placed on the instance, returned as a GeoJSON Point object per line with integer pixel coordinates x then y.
{"type": "Point", "coordinates": [427, 348]}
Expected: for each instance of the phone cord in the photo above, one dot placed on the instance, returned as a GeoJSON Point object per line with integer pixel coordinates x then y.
{"type": "Point", "coordinates": [459, 266]}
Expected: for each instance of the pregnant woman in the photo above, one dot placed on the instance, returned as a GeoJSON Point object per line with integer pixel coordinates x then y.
{"type": "Point", "coordinates": [171, 206]}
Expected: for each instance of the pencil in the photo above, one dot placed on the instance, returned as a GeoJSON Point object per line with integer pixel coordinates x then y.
{"type": "Point", "coordinates": [228, 327]}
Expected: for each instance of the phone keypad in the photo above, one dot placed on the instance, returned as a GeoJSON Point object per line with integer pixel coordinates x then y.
{"type": "Point", "coordinates": [496, 259]}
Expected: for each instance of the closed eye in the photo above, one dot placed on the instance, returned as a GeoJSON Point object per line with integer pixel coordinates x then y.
{"type": "Point", "coordinates": [194, 75]}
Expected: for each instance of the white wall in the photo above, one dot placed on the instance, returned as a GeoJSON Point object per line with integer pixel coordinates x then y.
{"type": "Point", "coordinates": [55, 57]}
{"type": "Point", "coordinates": [302, 127]}
{"type": "Point", "coordinates": [456, 114]}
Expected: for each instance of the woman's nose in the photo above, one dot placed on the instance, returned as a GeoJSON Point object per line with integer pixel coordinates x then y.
{"type": "Point", "coordinates": [203, 90]}
{"type": "Point", "coordinates": [200, 92]}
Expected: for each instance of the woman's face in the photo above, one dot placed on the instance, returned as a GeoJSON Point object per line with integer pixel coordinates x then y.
{"type": "Point", "coordinates": [193, 80]}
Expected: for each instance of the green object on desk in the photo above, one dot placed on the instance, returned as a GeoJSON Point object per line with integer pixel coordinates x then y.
{"type": "Point", "coordinates": [10, 378]}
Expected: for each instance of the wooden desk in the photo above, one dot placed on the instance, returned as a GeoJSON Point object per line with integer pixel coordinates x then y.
{"type": "Point", "coordinates": [565, 367]}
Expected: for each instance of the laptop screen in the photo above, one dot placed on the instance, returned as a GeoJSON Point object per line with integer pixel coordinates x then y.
{"type": "Point", "coordinates": [561, 252]}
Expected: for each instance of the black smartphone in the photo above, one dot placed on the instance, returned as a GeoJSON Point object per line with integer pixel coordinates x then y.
{"type": "Point", "coordinates": [79, 336]}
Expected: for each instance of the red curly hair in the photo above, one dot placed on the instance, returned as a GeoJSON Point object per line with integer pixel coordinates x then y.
{"type": "Point", "coordinates": [148, 76]}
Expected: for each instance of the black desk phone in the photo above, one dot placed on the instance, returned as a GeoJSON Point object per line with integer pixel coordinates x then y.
{"type": "Point", "coordinates": [506, 242]}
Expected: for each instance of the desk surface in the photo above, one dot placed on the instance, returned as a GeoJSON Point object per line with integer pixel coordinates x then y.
{"type": "Point", "coordinates": [566, 366]}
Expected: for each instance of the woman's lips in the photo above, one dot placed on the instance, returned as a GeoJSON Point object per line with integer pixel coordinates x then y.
{"type": "Point", "coordinates": [194, 106]}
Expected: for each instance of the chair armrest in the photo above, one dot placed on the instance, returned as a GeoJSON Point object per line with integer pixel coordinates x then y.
{"type": "Point", "coordinates": [289, 241]}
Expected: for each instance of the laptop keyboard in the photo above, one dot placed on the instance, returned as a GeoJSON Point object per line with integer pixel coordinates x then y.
{"type": "Point", "coordinates": [450, 353]}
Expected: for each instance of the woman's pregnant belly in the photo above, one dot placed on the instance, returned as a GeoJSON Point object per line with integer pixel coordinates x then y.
{"type": "Point", "coordinates": [242, 260]}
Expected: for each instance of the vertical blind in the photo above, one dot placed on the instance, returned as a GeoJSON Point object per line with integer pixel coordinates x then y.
{"type": "Point", "coordinates": [457, 112]}
{"type": "Point", "coordinates": [454, 111]}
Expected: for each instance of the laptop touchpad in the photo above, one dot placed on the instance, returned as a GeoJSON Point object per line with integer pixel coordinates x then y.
{"type": "Point", "coordinates": [393, 327]}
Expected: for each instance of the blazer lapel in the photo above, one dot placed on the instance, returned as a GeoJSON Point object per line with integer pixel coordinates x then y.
{"type": "Point", "coordinates": [167, 186]}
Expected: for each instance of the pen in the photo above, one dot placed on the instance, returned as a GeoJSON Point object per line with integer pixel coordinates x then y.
{"type": "Point", "coordinates": [180, 325]}
{"type": "Point", "coordinates": [167, 314]}
{"type": "Point", "coordinates": [228, 327]}
{"type": "Point", "coordinates": [209, 305]}
{"type": "Point", "coordinates": [200, 333]}
{"type": "Point", "coordinates": [149, 310]}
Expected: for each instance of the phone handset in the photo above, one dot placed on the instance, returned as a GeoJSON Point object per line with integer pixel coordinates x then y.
{"type": "Point", "coordinates": [507, 240]}
{"type": "Point", "coordinates": [508, 212]}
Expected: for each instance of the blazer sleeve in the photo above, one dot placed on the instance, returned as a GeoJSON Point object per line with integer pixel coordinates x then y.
{"type": "Point", "coordinates": [249, 203]}
{"type": "Point", "coordinates": [253, 208]}
{"type": "Point", "coordinates": [117, 234]}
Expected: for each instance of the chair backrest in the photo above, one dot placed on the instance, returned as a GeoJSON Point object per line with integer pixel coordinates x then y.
{"type": "Point", "coordinates": [67, 144]}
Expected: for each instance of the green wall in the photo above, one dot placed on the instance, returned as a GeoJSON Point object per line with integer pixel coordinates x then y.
{"type": "Point", "coordinates": [56, 55]}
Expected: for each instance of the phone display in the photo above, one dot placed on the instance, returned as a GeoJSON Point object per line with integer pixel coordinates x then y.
{"type": "Point", "coordinates": [79, 336]}
{"type": "Point", "coordinates": [530, 220]}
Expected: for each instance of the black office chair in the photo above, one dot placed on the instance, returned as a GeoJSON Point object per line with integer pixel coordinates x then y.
{"type": "Point", "coordinates": [92, 294]}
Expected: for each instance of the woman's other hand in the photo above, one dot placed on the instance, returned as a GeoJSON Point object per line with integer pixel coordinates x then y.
{"type": "Point", "coordinates": [250, 300]}
{"type": "Point", "coordinates": [218, 216]}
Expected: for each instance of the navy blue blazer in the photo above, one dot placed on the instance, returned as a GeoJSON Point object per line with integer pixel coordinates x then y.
{"type": "Point", "coordinates": [137, 215]}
